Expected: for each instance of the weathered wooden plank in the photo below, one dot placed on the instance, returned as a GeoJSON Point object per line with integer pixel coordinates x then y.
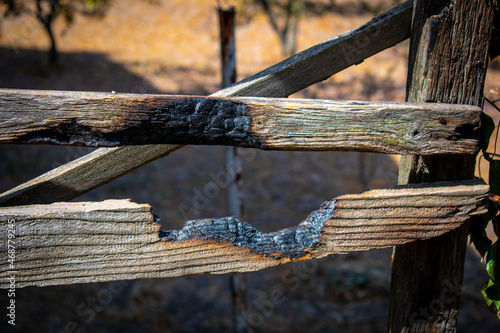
{"type": "Point", "coordinates": [325, 59]}
{"type": "Point", "coordinates": [447, 63]}
{"type": "Point", "coordinates": [83, 174]}
{"type": "Point", "coordinates": [281, 80]}
{"type": "Point", "coordinates": [104, 119]}
{"type": "Point", "coordinates": [66, 243]}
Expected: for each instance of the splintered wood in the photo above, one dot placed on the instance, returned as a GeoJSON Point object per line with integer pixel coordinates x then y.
{"type": "Point", "coordinates": [280, 80]}
{"type": "Point", "coordinates": [65, 243]}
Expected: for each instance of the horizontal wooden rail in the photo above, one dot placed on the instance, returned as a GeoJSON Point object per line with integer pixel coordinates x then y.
{"type": "Point", "coordinates": [105, 119]}
{"type": "Point", "coordinates": [329, 57]}
{"type": "Point", "coordinates": [82, 242]}
{"type": "Point", "coordinates": [283, 79]}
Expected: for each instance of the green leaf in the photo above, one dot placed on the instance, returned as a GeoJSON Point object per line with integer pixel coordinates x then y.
{"type": "Point", "coordinates": [490, 268]}
{"type": "Point", "coordinates": [493, 305]}
{"type": "Point", "coordinates": [479, 238]}
{"type": "Point", "coordinates": [493, 293]}
{"type": "Point", "coordinates": [478, 235]}
{"type": "Point", "coordinates": [482, 243]}
{"type": "Point", "coordinates": [491, 263]}
{"type": "Point", "coordinates": [496, 268]}
{"type": "Point", "coordinates": [487, 129]}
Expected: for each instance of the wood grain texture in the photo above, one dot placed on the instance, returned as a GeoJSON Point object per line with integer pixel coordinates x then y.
{"type": "Point", "coordinates": [83, 174]}
{"type": "Point", "coordinates": [103, 119]}
{"type": "Point", "coordinates": [329, 57]}
{"type": "Point", "coordinates": [281, 80]}
{"type": "Point", "coordinates": [448, 59]}
{"type": "Point", "coordinates": [65, 243]}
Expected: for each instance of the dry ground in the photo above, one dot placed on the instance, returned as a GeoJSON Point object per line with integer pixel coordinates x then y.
{"type": "Point", "coordinates": [172, 47]}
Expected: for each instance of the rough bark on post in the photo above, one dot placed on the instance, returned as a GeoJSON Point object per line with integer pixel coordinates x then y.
{"type": "Point", "coordinates": [448, 59]}
{"type": "Point", "coordinates": [238, 281]}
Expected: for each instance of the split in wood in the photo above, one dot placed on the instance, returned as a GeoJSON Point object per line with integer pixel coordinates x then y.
{"type": "Point", "coordinates": [102, 119]}
{"type": "Point", "coordinates": [280, 80]}
{"type": "Point", "coordinates": [65, 243]}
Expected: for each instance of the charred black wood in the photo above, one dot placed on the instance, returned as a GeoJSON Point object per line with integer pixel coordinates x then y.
{"type": "Point", "coordinates": [193, 120]}
{"type": "Point", "coordinates": [291, 243]}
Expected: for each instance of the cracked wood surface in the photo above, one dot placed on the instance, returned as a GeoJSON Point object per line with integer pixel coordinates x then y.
{"type": "Point", "coordinates": [281, 80]}
{"type": "Point", "coordinates": [105, 119]}
{"type": "Point", "coordinates": [83, 242]}
{"type": "Point", "coordinates": [447, 64]}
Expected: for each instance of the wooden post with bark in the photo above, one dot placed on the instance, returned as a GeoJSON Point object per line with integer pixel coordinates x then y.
{"type": "Point", "coordinates": [447, 64]}
{"type": "Point", "coordinates": [238, 281]}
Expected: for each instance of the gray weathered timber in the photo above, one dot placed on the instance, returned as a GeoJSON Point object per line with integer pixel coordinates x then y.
{"type": "Point", "coordinates": [104, 119]}
{"type": "Point", "coordinates": [310, 66]}
{"type": "Point", "coordinates": [108, 120]}
{"type": "Point", "coordinates": [448, 60]}
{"type": "Point", "coordinates": [83, 242]}
{"type": "Point", "coordinates": [329, 57]}
{"type": "Point", "coordinates": [83, 174]}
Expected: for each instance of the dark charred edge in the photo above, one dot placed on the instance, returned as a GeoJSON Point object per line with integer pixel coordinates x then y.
{"type": "Point", "coordinates": [193, 120]}
{"type": "Point", "coordinates": [291, 243]}
{"type": "Point", "coordinates": [464, 182]}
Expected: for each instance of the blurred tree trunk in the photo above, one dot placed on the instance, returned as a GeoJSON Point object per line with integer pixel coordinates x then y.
{"type": "Point", "coordinates": [53, 53]}
{"type": "Point", "coordinates": [46, 15]}
{"type": "Point", "coordinates": [289, 12]}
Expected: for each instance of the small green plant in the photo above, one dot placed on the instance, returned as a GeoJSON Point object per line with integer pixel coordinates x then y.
{"type": "Point", "coordinates": [489, 250]}
{"type": "Point", "coordinates": [486, 247]}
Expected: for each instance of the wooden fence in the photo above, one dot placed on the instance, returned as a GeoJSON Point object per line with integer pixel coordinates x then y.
{"type": "Point", "coordinates": [57, 242]}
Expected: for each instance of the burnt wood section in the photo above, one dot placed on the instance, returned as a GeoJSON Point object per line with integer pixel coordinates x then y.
{"type": "Point", "coordinates": [289, 243]}
{"type": "Point", "coordinates": [104, 119]}
{"type": "Point", "coordinates": [82, 242]}
{"type": "Point", "coordinates": [281, 80]}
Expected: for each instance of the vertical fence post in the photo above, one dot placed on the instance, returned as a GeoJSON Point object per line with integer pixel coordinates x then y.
{"type": "Point", "coordinates": [238, 281]}
{"type": "Point", "coordinates": [447, 63]}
